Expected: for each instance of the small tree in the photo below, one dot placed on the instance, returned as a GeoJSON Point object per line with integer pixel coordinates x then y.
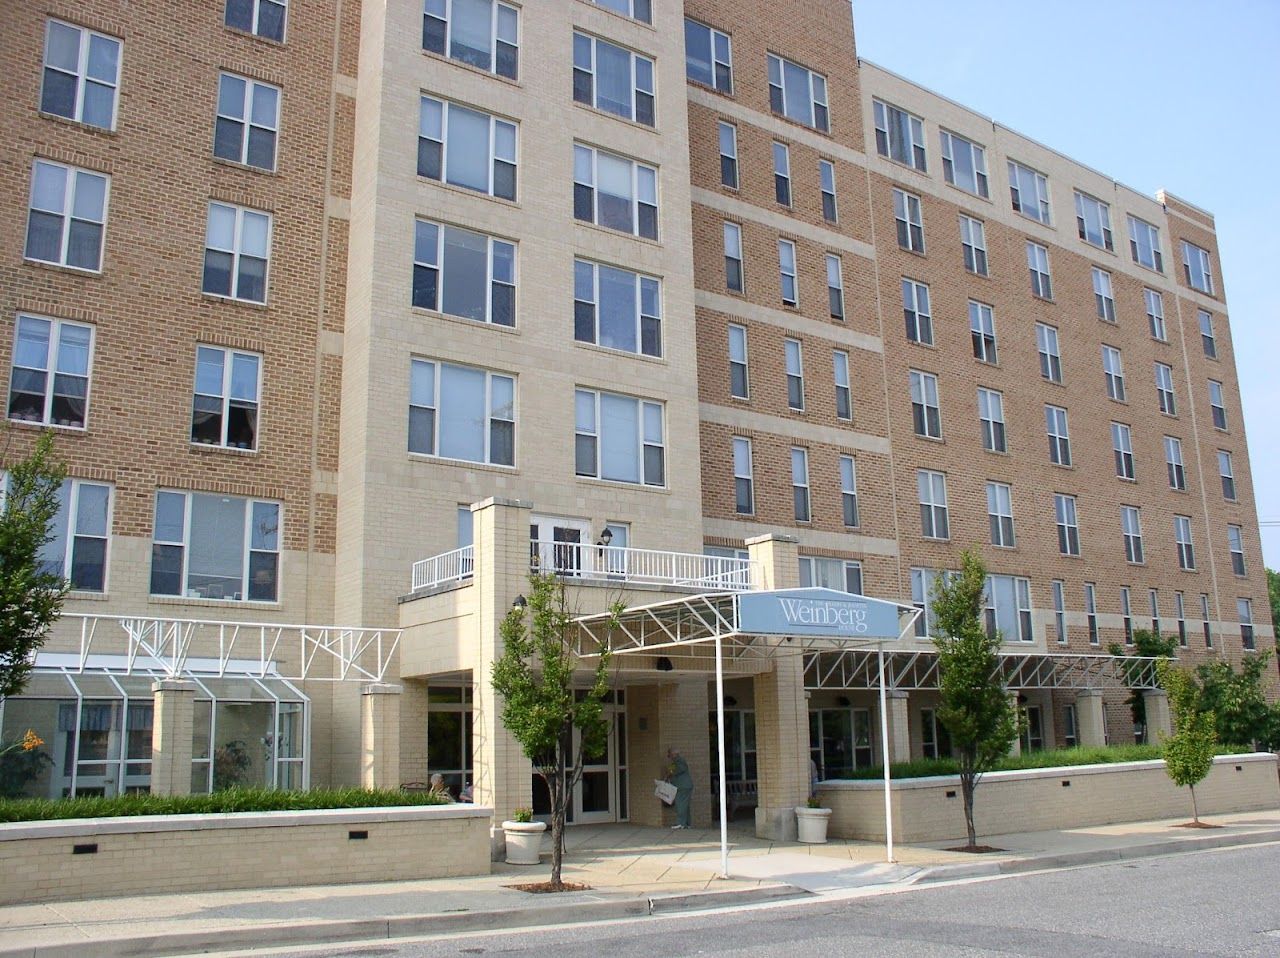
{"type": "Point", "coordinates": [974, 707]}
{"type": "Point", "coordinates": [1239, 702]}
{"type": "Point", "coordinates": [541, 707]}
{"type": "Point", "coordinates": [30, 598]}
{"type": "Point", "coordinates": [1273, 595]}
{"type": "Point", "coordinates": [1146, 644]}
{"type": "Point", "coordinates": [1188, 753]}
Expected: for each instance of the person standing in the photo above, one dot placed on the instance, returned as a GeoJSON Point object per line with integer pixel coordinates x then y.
{"type": "Point", "coordinates": [678, 775]}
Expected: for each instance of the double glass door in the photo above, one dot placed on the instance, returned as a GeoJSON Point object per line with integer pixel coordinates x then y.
{"type": "Point", "coordinates": [601, 793]}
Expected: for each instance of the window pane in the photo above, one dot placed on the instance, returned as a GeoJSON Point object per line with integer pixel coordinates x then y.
{"type": "Point", "coordinates": [215, 564]}
{"type": "Point", "coordinates": [620, 430]}
{"type": "Point", "coordinates": [462, 413]}
{"type": "Point", "coordinates": [468, 149]}
{"type": "Point", "coordinates": [617, 308]}
{"type": "Point", "coordinates": [466, 268]}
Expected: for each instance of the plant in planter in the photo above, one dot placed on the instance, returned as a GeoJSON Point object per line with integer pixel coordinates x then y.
{"type": "Point", "coordinates": [524, 837]}
{"type": "Point", "coordinates": [811, 822]}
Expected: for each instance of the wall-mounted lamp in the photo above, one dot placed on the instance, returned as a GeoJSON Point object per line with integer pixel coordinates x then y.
{"type": "Point", "coordinates": [844, 701]}
{"type": "Point", "coordinates": [519, 602]}
{"type": "Point", "coordinates": [605, 537]}
{"type": "Point", "coordinates": [664, 664]}
{"type": "Point", "coordinates": [730, 701]}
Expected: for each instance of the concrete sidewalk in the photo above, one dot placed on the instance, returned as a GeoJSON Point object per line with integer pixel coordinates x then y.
{"type": "Point", "coordinates": [633, 872]}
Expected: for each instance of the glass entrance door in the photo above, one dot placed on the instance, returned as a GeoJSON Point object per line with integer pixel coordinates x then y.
{"type": "Point", "coordinates": [557, 545]}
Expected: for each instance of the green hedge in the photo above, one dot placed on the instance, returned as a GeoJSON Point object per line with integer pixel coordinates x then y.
{"type": "Point", "coordinates": [1054, 758]}
{"type": "Point", "coordinates": [230, 800]}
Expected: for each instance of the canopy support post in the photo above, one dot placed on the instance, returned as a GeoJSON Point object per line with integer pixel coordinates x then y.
{"type": "Point", "coordinates": [884, 756]}
{"type": "Point", "coordinates": [724, 818]}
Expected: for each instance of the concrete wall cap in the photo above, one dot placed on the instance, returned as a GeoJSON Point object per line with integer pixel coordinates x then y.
{"type": "Point", "coordinates": [173, 685]}
{"type": "Point", "coordinates": [381, 688]}
{"type": "Point", "coordinates": [771, 537]}
{"type": "Point", "coordinates": [500, 501]}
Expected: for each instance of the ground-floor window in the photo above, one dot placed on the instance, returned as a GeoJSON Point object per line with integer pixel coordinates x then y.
{"type": "Point", "coordinates": [935, 741]}
{"type": "Point", "coordinates": [739, 745]}
{"type": "Point", "coordinates": [1070, 734]}
{"type": "Point", "coordinates": [840, 740]}
{"type": "Point", "coordinates": [449, 729]}
{"type": "Point", "coordinates": [1033, 730]}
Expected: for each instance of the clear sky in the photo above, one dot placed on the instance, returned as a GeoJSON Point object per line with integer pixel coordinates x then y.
{"type": "Point", "coordinates": [1176, 94]}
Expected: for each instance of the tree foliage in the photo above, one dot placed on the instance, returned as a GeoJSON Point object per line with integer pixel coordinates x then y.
{"type": "Point", "coordinates": [30, 597]}
{"type": "Point", "coordinates": [1146, 644]}
{"type": "Point", "coordinates": [1188, 753]}
{"type": "Point", "coordinates": [1273, 593]}
{"type": "Point", "coordinates": [1239, 702]}
{"type": "Point", "coordinates": [541, 706]}
{"type": "Point", "coordinates": [973, 704]}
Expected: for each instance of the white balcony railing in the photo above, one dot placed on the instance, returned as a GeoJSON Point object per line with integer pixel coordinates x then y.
{"type": "Point", "coordinates": [455, 566]}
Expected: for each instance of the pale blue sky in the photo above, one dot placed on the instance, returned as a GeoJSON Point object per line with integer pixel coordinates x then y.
{"type": "Point", "coordinates": [1177, 95]}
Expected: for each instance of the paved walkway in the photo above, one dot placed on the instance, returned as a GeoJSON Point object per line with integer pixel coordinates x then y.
{"type": "Point", "coordinates": [632, 872]}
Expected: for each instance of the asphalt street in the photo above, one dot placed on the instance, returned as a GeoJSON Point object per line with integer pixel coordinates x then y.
{"type": "Point", "coordinates": [1224, 902]}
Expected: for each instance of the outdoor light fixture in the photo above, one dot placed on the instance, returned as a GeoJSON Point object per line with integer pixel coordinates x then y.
{"type": "Point", "coordinates": [519, 602]}
{"type": "Point", "coordinates": [605, 537]}
{"type": "Point", "coordinates": [664, 664]}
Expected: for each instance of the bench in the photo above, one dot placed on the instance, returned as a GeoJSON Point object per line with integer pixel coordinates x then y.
{"type": "Point", "coordinates": [741, 794]}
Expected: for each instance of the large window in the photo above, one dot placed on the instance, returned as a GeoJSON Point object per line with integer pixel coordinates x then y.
{"type": "Point", "coordinates": [263, 18]}
{"type": "Point", "coordinates": [1093, 221]}
{"type": "Point", "coordinates": [237, 251]}
{"type": "Point", "coordinates": [480, 33]}
{"type": "Point", "coordinates": [1050, 355]}
{"type": "Point", "coordinates": [739, 382]}
{"type": "Point", "coordinates": [982, 331]}
{"type": "Point", "coordinates": [1122, 449]}
{"type": "Point", "coordinates": [1164, 389]}
{"type": "Point", "coordinates": [212, 546]}
{"type": "Point", "coordinates": [800, 483]}
{"type": "Point", "coordinates": [1131, 527]}
{"type": "Point", "coordinates": [964, 164]}
{"type": "Point", "coordinates": [931, 488]}
{"type": "Point", "coordinates": [49, 381]}
{"type": "Point", "coordinates": [1186, 547]}
{"type": "Point", "coordinates": [619, 438]}
{"type": "Point", "coordinates": [915, 309]}
{"type": "Point", "coordinates": [900, 136]}
{"type": "Point", "coordinates": [464, 274]}
{"type": "Point", "coordinates": [1155, 314]}
{"type": "Point", "coordinates": [1113, 372]}
{"type": "Point", "coordinates": [843, 575]}
{"type": "Point", "coordinates": [1197, 267]}
{"type": "Point", "coordinates": [991, 420]}
{"type": "Point", "coordinates": [466, 148]}
{"type": "Point", "coordinates": [78, 533]}
{"type": "Point", "coordinates": [68, 216]}
{"type": "Point", "coordinates": [798, 93]}
{"type": "Point", "coordinates": [1055, 420]}
{"type": "Point", "coordinates": [1038, 267]}
{"type": "Point", "coordinates": [1068, 526]}
{"type": "Point", "coordinates": [224, 409]}
{"type": "Point", "coordinates": [81, 75]}
{"type": "Point", "coordinates": [973, 243]}
{"type": "Point", "coordinates": [1008, 607]}
{"type": "Point", "coordinates": [1103, 298]}
{"type": "Point", "coordinates": [743, 482]}
{"type": "Point", "coordinates": [615, 192]}
{"type": "Point", "coordinates": [248, 121]}
{"type": "Point", "coordinates": [1174, 464]}
{"type": "Point", "coordinates": [1144, 244]}
{"type": "Point", "coordinates": [849, 490]}
{"type": "Point", "coordinates": [1000, 514]}
{"type": "Point", "coordinates": [612, 79]}
{"type": "Point", "coordinates": [1029, 191]}
{"type": "Point", "coordinates": [462, 412]}
{"type": "Point", "coordinates": [1226, 472]}
{"type": "Point", "coordinates": [926, 415]}
{"type": "Point", "coordinates": [909, 221]}
{"type": "Point", "coordinates": [708, 57]}
{"type": "Point", "coordinates": [617, 308]}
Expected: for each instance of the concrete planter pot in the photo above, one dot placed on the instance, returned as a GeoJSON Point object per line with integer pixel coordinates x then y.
{"type": "Point", "coordinates": [811, 824]}
{"type": "Point", "coordinates": [524, 841]}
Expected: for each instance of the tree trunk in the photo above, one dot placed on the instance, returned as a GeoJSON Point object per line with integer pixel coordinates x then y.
{"type": "Point", "coordinates": [966, 789]}
{"type": "Point", "coordinates": [1195, 811]}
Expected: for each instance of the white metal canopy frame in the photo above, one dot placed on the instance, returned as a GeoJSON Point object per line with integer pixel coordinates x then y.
{"type": "Point", "coordinates": [763, 623]}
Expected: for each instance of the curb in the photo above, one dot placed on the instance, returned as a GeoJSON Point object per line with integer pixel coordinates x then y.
{"type": "Point", "coordinates": [1098, 856]}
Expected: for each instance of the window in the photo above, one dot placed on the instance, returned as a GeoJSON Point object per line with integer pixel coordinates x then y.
{"type": "Point", "coordinates": [1000, 514]}
{"type": "Point", "coordinates": [924, 584]}
{"type": "Point", "coordinates": [615, 192]}
{"type": "Point", "coordinates": [1009, 608]}
{"type": "Point", "coordinates": [900, 136]}
{"type": "Point", "coordinates": [1029, 191]}
{"type": "Point", "coordinates": [1122, 447]}
{"type": "Point", "coordinates": [932, 490]}
{"type": "Point", "coordinates": [743, 484]}
{"type": "Point", "coordinates": [733, 274]}
{"type": "Point", "coordinates": [906, 213]}
{"type": "Point", "coordinates": [843, 575]}
{"type": "Point", "coordinates": [1217, 405]}
{"type": "Point", "coordinates": [1144, 244]}
{"type": "Point", "coordinates": [224, 408]}
{"type": "Point", "coordinates": [1153, 597]}
{"type": "Point", "coordinates": [926, 416]}
{"type": "Point", "coordinates": [612, 79]}
{"type": "Point", "coordinates": [800, 483]}
{"type": "Point", "coordinates": [1235, 545]}
{"type": "Point", "coordinates": [480, 33]}
{"type": "Point", "coordinates": [849, 490]}
{"type": "Point", "coordinates": [1131, 526]}
{"type": "Point", "coordinates": [635, 9]}
{"type": "Point", "coordinates": [782, 173]}
{"type": "Point", "coordinates": [1064, 511]}
{"type": "Point", "coordinates": [964, 164]}
{"type": "Point", "coordinates": [1055, 418]}
{"type": "Point", "coordinates": [1050, 357]}
{"type": "Point", "coordinates": [68, 216]}
{"type": "Point", "coordinates": [1113, 371]}
{"type": "Point", "coordinates": [1164, 389]}
{"type": "Point", "coordinates": [798, 93]}
{"type": "Point", "coordinates": [49, 381]}
{"type": "Point", "coordinates": [466, 148]}
{"type": "Point", "coordinates": [617, 308]}
{"type": "Point", "coordinates": [247, 122]}
{"type": "Point", "coordinates": [1126, 613]}
{"type": "Point", "coordinates": [263, 18]}
{"type": "Point", "coordinates": [915, 307]}
{"type": "Point", "coordinates": [212, 546]}
{"type": "Point", "coordinates": [795, 373]}
{"type": "Point", "coordinates": [1204, 615]}
{"type": "Point", "coordinates": [982, 327]}
{"type": "Point", "coordinates": [1070, 726]}
{"type": "Point", "coordinates": [840, 372]}
{"type": "Point", "coordinates": [738, 383]}
{"type": "Point", "coordinates": [1182, 536]}
{"type": "Point", "coordinates": [973, 241]}
{"type": "Point", "coordinates": [78, 533]}
{"type": "Point", "coordinates": [827, 179]}
{"type": "Point", "coordinates": [835, 287]}
{"type": "Point", "coordinates": [464, 274]}
{"type": "Point", "coordinates": [461, 412]}
{"type": "Point", "coordinates": [1226, 472]}
{"type": "Point", "coordinates": [1060, 612]}
{"type": "Point", "coordinates": [1180, 615]}
{"type": "Point", "coordinates": [1173, 461]}
{"type": "Point", "coordinates": [991, 420]}
{"type": "Point", "coordinates": [1093, 221]}
{"type": "Point", "coordinates": [787, 273]}
{"type": "Point", "coordinates": [728, 154]}
{"type": "Point", "coordinates": [1206, 334]}
{"type": "Point", "coordinates": [1102, 296]}
{"type": "Point", "coordinates": [1197, 267]}
{"type": "Point", "coordinates": [1244, 612]}
{"type": "Point", "coordinates": [1038, 266]}
{"type": "Point", "coordinates": [1155, 315]}
{"type": "Point", "coordinates": [1091, 611]}
{"type": "Point", "coordinates": [81, 75]}
{"type": "Point", "coordinates": [237, 250]}
{"type": "Point", "coordinates": [619, 438]}
{"type": "Point", "coordinates": [707, 56]}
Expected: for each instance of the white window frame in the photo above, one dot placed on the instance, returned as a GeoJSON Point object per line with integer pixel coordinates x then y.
{"type": "Point", "coordinates": [1058, 426]}
{"type": "Point", "coordinates": [1155, 315]}
{"type": "Point", "coordinates": [1113, 372]}
{"type": "Point", "coordinates": [504, 23]}
{"type": "Point", "coordinates": [226, 401]}
{"type": "Point", "coordinates": [909, 221]}
{"type": "Point", "coordinates": [793, 356]}
{"type": "Point", "coordinates": [816, 113]}
{"type": "Point", "coordinates": [973, 243]}
{"type": "Point", "coordinates": [640, 79]}
{"type": "Point", "coordinates": [835, 286]}
{"type": "Point", "coordinates": [498, 254]}
{"type": "Point", "coordinates": [1217, 405]}
{"type": "Point", "coordinates": [1059, 610]}
{"type": "Point", "coordinates": [1174, 464]}
{"type": "Point", "coordinates": [1038, 268]}
{"type": "Point", "coordinates": [1235, 548]}
{"type": "Point", "coordinates": [1066, 520]}
{"type": "Point", "coordinates": [1165, 396]}
{"type": "Point", "coordinates": [1022, 612]}
{"type": "Point", "coordinates": [908, 146]}
{"type": "Point", "coordinates": [1197, 267]}
{"type": "Point", "coordinates": [815, 570]}
{"type": "Point", "coordinates": [788, 285]}
{"type": "Point", "coordinates": [1093, 219]}
{"type": "Point", "coordinates": [982, 330]}
{"type": "Point", "coordinates": [242, 213]}
{"type": "Point", "coordinates": [644, 442]}
{"type": "Point", "coordinates": [647, 318]}
{"type": "Point", "coordinates": [1103, 298]}
{"type": "Point", "coordinates": [1131, 529]}
{"type": "Point", "coordinates": [1029, 192]}
{"type": "Point", "coordinates": [80, 72]}
{"type": "Point", "coordinates": [953, 145]}
{"type": "Point", "coordinates": [732, 246]}
{"type": "Point", "coordinates": [188, 497]}
{"type": "Point", "coordinates": [801, 501]}
{"type": "Point", "coordinates": [1048, 348]}
{"type": "Point", "coordinates": [843, 391]}
{"type": "Point", "coordinates": [1000, 515]}
{"type": "Point", "coordinates": [1208, 341]}
{"type": "Point", "coordinates": [849, 492]}
{"type": "Point", "coordinates": [991, 420]}
{"type": "Point", "coordinates": [503, 145]}
{"type": "Point", "coordinates": [1144, 244]}
{"type": "Point", "coordinates": [493, 414]}
{"type": "Point", "coordinates": [742, 362]}
{"type": "Point", "coordinates": [935, 519]}
{"type": "Point", "coordinates": [1122, 450]}
{"type": "Point", "coordinates": [720, 51]}
{"type": "Point", "coordinates": [924, 399]}
{"type": "Point", "coordinates": [782, 173]}
{"type": "Point", "coordinates": [644, 179]}
{"type": "Point", "coordinates": [257, 18]}
{"type": "Point", "coordinates": [66, 525]}
{"type": "Point", "coordinates": [1182, 537]}
{"type": "Point", "coordinates": [728, 154]}
{"type": "Point", "coordinates": [827, 184]}
{"type": "Point", "coordinates": [916, 311]}
{"type": "Point", "coordinates": [248, 119]}
{"type": "Point", "coordinates": [1226, 472]}
{"type": "Point", "coordinates": [743, 477]}
{"type": "Point", "coordinates": [51, 370]}
{"type": "Point", "coordinates": [66, 212]}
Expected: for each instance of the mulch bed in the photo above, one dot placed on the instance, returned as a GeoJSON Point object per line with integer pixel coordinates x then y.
{"type": "Point", "coordinates": [1196, 825]}
{"type": "Point", "coordinates": [974, 849]}
{"type": "Point", "coordinates": [546, 887]}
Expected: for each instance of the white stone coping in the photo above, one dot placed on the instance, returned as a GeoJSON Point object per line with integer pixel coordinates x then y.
{"type": "Point", "coordinates": [1027, 774]}
{"type": "Point", "coordinates": [142, 824]}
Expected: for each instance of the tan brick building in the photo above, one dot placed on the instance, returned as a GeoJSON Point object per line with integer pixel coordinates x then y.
{"type": "Point", "coordinates": [297, 284]}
